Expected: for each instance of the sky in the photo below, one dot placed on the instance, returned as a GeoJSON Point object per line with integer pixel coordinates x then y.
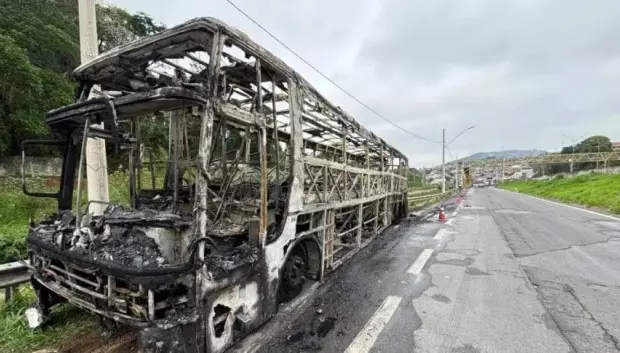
{"type": "Point", "coordinates": [524, 73]}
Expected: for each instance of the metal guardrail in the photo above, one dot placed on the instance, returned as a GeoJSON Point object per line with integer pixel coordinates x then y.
{"type": "Point", "coordinates": [16, 273]}
{"type": "Point", "coordinates": [424, 200]}
{"type": "Point", "coordinates": [11, 276]}
{"type": "Point", "coordinates": [545, 159]}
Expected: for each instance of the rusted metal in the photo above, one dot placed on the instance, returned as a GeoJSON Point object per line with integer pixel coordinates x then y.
{"type": "Point", "coordinates": [80, 170]}
{"type": "Point", "coordinates": [11, 276]}
{"type": "Point", "coordinates": [276, 140]}
{"type": "Point", "coordinates": [306, 182]}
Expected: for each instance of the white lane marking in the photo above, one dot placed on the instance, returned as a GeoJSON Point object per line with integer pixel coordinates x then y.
{"type": "Point", "coordinates": [450, 221]}
{"type": "Point", "coordinates": [364, 340]}
{"type": "Point", "coordinates": [454, 213]}
{"type": "Point", "coordinates": [440, 233]}
{"type": "Point", "coordinates": [419, 263]}
{"type": "Point", "coordinates": [564, 205]}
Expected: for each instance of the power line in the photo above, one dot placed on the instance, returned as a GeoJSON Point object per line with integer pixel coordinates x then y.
{"type": "Point", "coordinates": [326, 77]}
{"type": "Point", "coordinates": [449, 154]}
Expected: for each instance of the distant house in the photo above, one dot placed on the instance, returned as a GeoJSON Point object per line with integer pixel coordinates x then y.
{"type": "Point", "coordinates": [527, 173]}
{"type": "Point", "coordinates": [615, 146]}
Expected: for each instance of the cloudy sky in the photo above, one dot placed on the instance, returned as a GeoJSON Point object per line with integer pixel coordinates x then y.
{"type": "Point", "coordinates": [523, 72]}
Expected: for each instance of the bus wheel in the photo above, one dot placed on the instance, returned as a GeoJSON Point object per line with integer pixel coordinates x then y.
{"type": "Point", "coordinates": [293, 274]}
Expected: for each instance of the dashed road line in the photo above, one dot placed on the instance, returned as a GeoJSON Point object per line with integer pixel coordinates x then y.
{"type": "Point", "coordinates": [419, 263]}
{"type": "Point", "coordinates": [440, 234]}
{"type": "Point", "coordinates": [450, 221]}
{"type": "Point", "coordinates": [364, 340]}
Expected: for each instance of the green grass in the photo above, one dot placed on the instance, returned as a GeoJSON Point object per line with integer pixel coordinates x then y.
{"type": "Point", "coordinates": [66, 320]}
{"type": "Point", "coordinates": [421, 191]}
{"type": "Point", "coordinates": [66, 324]}
{"type": "Point", "coordinates": [15, 210]}
{"type": "Point", "coordinates": [414, 192]}
{"type": "Point", "coordinates": [591, 190]}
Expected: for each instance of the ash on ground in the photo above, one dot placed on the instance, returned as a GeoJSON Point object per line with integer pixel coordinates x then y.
{"type": "Point", "coordinates": [312, 339]}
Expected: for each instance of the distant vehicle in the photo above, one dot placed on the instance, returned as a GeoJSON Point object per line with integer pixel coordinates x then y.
{"type": "Point", "coordinates": [480, 183]}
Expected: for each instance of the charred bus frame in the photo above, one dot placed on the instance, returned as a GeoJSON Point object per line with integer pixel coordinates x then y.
{"type": "Point", "coordinates": [286, 187]}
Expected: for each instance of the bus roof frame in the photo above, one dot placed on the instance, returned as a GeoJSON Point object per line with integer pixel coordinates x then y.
{"type": "Point", "coordinates": [74, 115]}
{"type": "Point", "coordinates": [195, 35]}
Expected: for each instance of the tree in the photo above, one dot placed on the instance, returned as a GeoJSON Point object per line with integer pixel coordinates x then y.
{"type": "Point", "coordinates": [116, 26]}
{"type": "Point", "coordinates": [592, 144]}
{"type": "Point", "coordinates": [20, 85]}
{"type": "Point", "coordinates": [39, 48]}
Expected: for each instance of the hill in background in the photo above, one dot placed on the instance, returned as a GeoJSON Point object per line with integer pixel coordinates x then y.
{"type": "Point", "coordinates": [505, 154]}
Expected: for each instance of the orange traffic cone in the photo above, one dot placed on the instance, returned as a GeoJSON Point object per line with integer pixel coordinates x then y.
{"type": "Point", "coordinates": [442, 216]}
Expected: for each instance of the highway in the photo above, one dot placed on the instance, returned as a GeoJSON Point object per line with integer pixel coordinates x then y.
{"type": "Point", "coordinates": [506, 273]}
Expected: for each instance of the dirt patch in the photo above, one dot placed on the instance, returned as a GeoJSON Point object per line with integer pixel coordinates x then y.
{"type": "Point", "coordinates": [94, 342]}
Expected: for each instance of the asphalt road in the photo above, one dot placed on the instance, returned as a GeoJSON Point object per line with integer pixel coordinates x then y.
{"type": "Point", "coordinates": [507, 273]}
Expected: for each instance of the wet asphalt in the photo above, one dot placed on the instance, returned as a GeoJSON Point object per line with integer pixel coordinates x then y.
{"type": "Point", "coordinates": [510, 273]}
{"type": "Point", "coordinates": [334, 318]}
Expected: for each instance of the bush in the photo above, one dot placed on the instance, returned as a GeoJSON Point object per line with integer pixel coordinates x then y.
{"type": "Point", "coordinates": [67, 321]}
{"type": "Point", "coordinates": [16, 209]}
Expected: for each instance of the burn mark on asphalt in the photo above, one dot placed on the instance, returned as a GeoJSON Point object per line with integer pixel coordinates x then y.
{"type": "Point", "coordinates": [319, 329]}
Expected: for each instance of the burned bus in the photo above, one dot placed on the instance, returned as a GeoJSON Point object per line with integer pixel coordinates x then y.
{"type": "Point", "coordinates": [244, 185]}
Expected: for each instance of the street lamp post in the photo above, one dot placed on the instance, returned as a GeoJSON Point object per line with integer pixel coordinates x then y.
{"type": "Point", "coordinates": [443, 160]}
{"type": "Point", "coordinates": [574, 141]}
{"type": "Point", "coordinates": [443, 154]}
{"type": "Point", "coordinates": [456, 173]}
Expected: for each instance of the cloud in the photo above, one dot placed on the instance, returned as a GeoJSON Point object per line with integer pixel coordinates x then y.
{"type": "Point", "coordinates": [523, 72]}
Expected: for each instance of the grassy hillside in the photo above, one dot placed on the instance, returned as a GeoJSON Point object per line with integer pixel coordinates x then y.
{"type": "Point", "coordinates": [592, 190]}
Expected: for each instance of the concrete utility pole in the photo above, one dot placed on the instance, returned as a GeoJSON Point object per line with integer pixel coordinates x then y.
{"type": "Point", "coordinates": [97, 166]}
{"type": "Point", "coordinates": [443, 154]}
{"type": "Point", "coordinates": [456, 172]}
{"type": "Point", "coordinates": [443, 160]}
{"type": "Point", "coordinates": [574, 141]}
{"type": "Point", "coordinates": [503, 163]}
